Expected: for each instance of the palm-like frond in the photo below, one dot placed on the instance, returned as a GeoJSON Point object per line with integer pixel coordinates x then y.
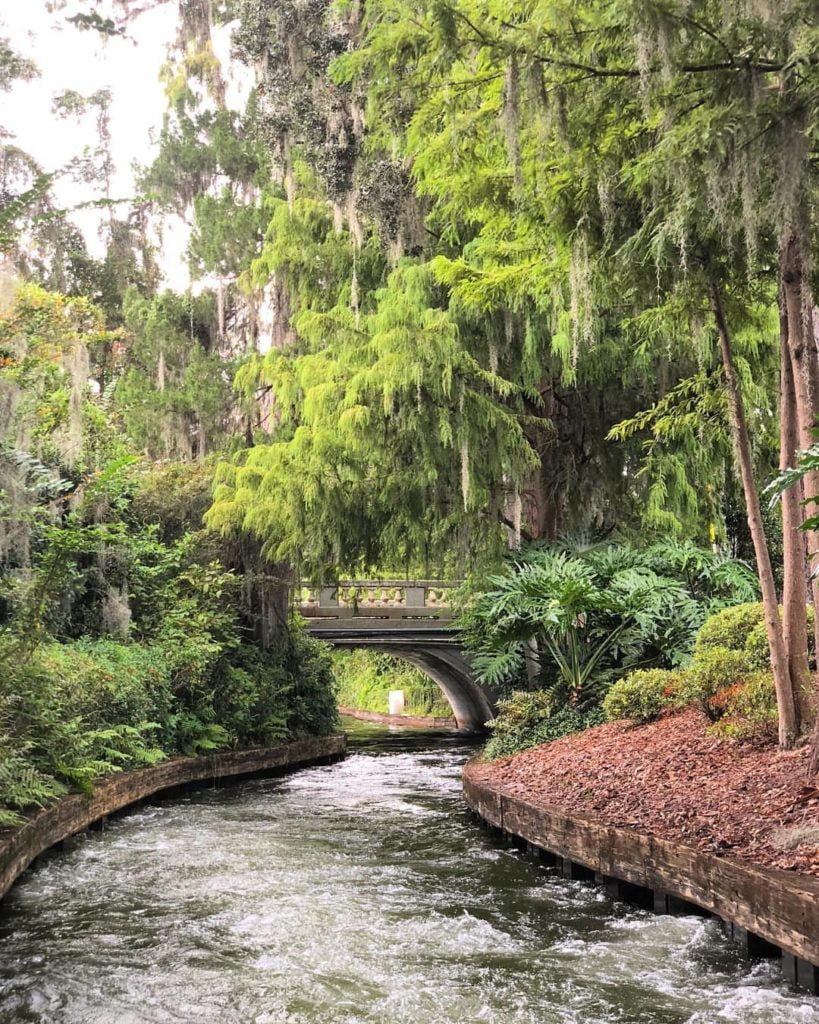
{"type": "Point", "coordinates": [579, 614]}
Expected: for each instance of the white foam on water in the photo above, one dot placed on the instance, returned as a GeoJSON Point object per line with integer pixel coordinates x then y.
{"type": "Point", "coordinates": [353, 894]}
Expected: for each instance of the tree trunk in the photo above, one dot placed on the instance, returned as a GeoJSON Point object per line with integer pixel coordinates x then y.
{"type": "Point", "coordinates": [742, 452]}
{"type": "Point", "coordinates": [202, 445]}
{"type": "Point", "coordinates": [794, 596]}
{"type": "Point", "coordinates": [220, 308]}
{"type": "Point", "coordinates": [540, 494]}
{"type": "Point", "coordinates": [805, 371]}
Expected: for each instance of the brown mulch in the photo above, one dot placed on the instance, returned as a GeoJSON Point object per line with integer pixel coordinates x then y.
{"type": "Point", "coordinates": [674, 780]}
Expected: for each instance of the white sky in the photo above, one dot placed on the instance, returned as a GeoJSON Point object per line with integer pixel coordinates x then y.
{"type": "Point", "coordinates": [86, 62]}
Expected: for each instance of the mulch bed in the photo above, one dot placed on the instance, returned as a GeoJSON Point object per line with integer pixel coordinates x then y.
{"type": "Point", "coordinates": [674, 780]}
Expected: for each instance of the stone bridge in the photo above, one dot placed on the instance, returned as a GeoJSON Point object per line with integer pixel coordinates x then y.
{"type": "Point", "coordinates": [412, 620]}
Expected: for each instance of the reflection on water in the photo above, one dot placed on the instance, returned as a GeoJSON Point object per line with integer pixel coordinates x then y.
{"type": "Point", "coordinates": [358, 892]}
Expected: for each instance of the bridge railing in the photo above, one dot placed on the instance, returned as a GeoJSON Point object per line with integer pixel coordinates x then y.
{"type": "Point", "coordinates": [378, 599]}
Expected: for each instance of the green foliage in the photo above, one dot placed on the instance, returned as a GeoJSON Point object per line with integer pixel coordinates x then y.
{"type": "Point", "coordinates": [489, 263]}
{"type": "Point", "coordinates": [13, 66]}
{"type": "Point", "coordinates": [197, 148]}
{"type": "Point", "coordinates": [581, 616]}
{"type": "Point", "coordinates": [748, 709]}
{"type": "Point", "coordinates": [73, 712]}
{"type": "Point", "coordinates": [95, 22]}
{"type": "Point", "coordinates": [549, 147]}
{"type": "Point", "coordinates": [731, 628]}
{"type": "Point", "coordinates": [126, 633]}
{"type": "Point", "coordinates": [49, 344]}
{"type": "Point", "coordinates": [604, 630]}
{"type": "Point", "coordinates": [156, 656]}
{"type": "Point", "coordinates": [67, 718]}
{"type": "Point", "coordinates": [742, 628]}
{"type": "Point", "coordinates": [807, 462]}
{"type": "Point", "coordinates": [171, 497]}
{"type": "Point", "coordinates": [364, 681]}
{"type": "Point", "coordinates": [381, 423]}
{"type": "Point", "coordinates": [643, 695]}
{"type": "Point", "coordinates": [728, 678]}
{"type": "Point", "coordinates": [23, 786]}
{"type": "Point", "coordinates": [711, 673]}
{"type": "Point", "coordinates": [174, 392]}
{"type": "Point", "coordinates": [527, 719]}
{"type": "Point", "coordinates": [108, 683]}
{"type": "Point", "coordinates": [311, 698]}
{"type": "Point", "coordinates": [730, 675]}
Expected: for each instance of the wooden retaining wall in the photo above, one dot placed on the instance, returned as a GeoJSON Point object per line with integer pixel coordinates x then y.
{"type": "Point", "coordinates": [74, 813]}
{"type": "Point", "coordinates": [765, 910]}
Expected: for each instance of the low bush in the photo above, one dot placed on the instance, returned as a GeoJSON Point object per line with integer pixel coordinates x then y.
{"type": "Point", "coordinates": [730, 628]}
{"type": "Point", "coordinates": [742, 628]}
{"type": "Point", "coordinates": [108, 683]}
{"type": "Point", "coordinates": [730, 674]}
{"type": "Point", "coordinates": [748, 708]}
{"type": "Point", "coordinates": [311, 695]}
{"type": "Point", "coordinates": [713, 671]}
{"type": "Point", "coordinates": [527, 719]}
{"type": "Point", "coordinates": [67, 719]}
{"type": "Point", "coordinates": [73, 712]}
{"type": "Point", "coordinates": [643, 695]}
{"type": "Point", "coordinates": [757, 648]}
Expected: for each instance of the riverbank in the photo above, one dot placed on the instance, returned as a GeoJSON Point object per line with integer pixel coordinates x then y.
{"type": "Point", "coordinates": [361, 892]}
{"type": "Point", "coordinates": [410, 721]}
{"type": "Point", "coordinates": [672, 817]}
{"type": "Point", "coordinates": [673, 780]}
{"type": "Point", "coordinates": [19, 847]}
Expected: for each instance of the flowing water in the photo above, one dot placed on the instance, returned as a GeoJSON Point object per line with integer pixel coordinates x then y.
{"type": "Point", "coordinates": [358, 892]}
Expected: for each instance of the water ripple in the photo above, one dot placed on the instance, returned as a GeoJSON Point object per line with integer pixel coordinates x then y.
{"type": "Point", "coordinates": [360, 893]}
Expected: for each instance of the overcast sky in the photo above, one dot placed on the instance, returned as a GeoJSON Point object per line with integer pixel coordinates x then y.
{"type": "Point", "coordinates": [86, 62]}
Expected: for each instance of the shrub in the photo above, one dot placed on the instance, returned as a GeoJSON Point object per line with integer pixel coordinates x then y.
{"type": "Point", "coordinates": [730, 628]}
{"type": "Point", "coordinates": [642, 695]}
{"type": "Point", "coordinates": [748, 708]}
{"type": "Point", "coordinates": [524, 707]}
{"type": "Point", "coordinates": [757, 648]}
{"type": "Point", "coordinates": [527, 719]}
{"type": "Point", "coordinates": [311, 696]}
{"type": "Point", "coordinates": [583, 614]}
{"type": "Point", "coordinates": [74, 712]}
{"type": "Point", "coordinates": [108, 683]}
{"type": "Point", "coordinates": [66, 719]}
{"type": "Point", "coordinates": [729, 676]}
{"type": "Point", "coordinates": [714, 670]}
{"type": "Point", "coordinates": [174, 496]}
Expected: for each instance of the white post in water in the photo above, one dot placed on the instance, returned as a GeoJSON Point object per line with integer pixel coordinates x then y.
{"type": "Point", "coordinates": [396, 702]}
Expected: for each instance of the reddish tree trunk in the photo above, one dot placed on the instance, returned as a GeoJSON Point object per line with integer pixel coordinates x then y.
{"type": "Point", "coordinates": [805, 370]}
{"type": "Point", "coordinates": [794, 596]}
{"type": "Point", "coordinates": [785, 702]}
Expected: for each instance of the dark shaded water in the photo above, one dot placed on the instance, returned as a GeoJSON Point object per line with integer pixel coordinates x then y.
{"type": "Point", "coordinates": [360, 892]}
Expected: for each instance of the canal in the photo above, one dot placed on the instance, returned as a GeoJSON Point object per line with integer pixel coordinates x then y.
{"type": "Point", "coordinates": [358, 892]}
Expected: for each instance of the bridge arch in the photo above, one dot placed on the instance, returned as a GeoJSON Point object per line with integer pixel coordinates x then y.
{"type": "Point", "coordinates": [471, 705]}
{"type": "Point", "coordinates": [411, 620]}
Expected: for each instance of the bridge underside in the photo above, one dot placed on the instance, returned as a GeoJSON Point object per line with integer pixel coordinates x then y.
{"type": "Point", "coordinates": [435, 651]}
